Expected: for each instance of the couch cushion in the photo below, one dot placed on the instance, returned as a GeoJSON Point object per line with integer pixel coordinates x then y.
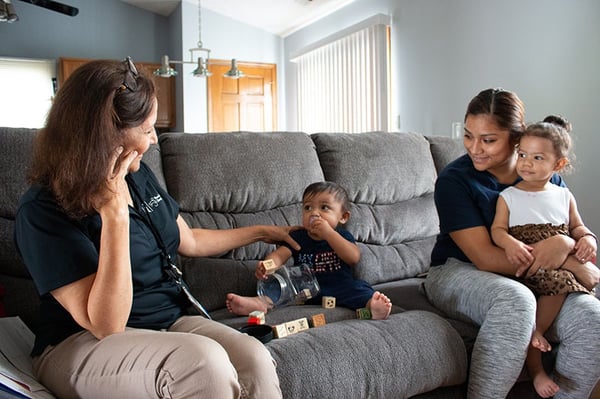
{"type": "Point", "coordinates": [409, 353]}
{"type": "Point", "coordinates": [390, 180]}
{"type": "Point", "coordinates": [15, 159]}
{"type": "Point", "coordinates": [444, 150]}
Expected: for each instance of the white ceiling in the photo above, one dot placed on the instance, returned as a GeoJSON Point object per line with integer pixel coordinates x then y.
{"type": "Point", "coordinates": [280, 17]}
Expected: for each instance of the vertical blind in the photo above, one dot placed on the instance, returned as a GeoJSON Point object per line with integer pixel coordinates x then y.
{"type": "Point", "coordinates": [343, 86]}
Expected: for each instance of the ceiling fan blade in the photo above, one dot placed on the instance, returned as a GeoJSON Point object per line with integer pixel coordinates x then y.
{"type": "Point", "coordinates": [54, 6]}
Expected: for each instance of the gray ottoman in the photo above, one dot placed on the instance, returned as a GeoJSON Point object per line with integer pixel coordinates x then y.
{"type": "Point", "coordinates": [409, 353]}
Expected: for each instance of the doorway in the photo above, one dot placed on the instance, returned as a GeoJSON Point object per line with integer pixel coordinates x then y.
{"type": "Point", "coordinates": [245, 104]}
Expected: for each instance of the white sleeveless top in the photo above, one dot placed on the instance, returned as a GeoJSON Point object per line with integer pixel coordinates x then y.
{"type": "Point", "coordinates": [537, 207]}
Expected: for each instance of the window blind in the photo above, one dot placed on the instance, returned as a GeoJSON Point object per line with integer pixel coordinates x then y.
{"type": "Point", "coordinates": [343, 86]}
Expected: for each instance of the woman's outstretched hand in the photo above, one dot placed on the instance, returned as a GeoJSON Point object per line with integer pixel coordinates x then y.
{"type": "Point", "coordinates": [278, 234]}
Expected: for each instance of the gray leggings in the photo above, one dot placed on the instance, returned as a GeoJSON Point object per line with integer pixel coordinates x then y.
{"type": "Point", "coordinates": [505, 311]}
{"type": "Point", "coordinates": [196, 358]}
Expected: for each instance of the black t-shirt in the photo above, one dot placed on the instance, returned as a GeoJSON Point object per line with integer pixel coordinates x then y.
{"type": "Point", "coordinates": [59, 250]}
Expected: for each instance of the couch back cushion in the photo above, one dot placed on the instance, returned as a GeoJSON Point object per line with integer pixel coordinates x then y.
{"type": "Point", "coordinates": [233, 180]}
{"type": "Point", "coordinates": [15, 159]}
{"type": "Point", "coordinates": [390, 180]}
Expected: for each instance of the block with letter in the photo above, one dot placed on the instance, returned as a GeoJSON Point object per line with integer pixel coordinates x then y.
{"type": "Point", "coordinates": [328, 302]}
{"type": "Point", "coordinates": [295, 326]}
{"type": "Point", "coordinates": [269, 265]}
{"type": "Point", "coordinates": [363, 313]}
{"type": "Point", "coordinates": [318, 320]}
{"type": "Point", "coordinates": [290, 328]}
{"type": "Point", "coordinates": [256, 317]}
{"type": "Point", "coordinates": [280, 331]}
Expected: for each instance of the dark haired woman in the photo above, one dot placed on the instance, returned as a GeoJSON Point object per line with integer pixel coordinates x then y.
{"type": "Point", "coordinates": [460, 282]}
{"type": "Point", "coordinates": [98, 235]}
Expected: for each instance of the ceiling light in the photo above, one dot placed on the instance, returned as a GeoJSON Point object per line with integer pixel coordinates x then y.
{"type": "Point", "coordinates": [166, 71]}
{"type": "Point", "coordinates": [234, 72]}
{"type": "Point", "coordinates": [202, 69]}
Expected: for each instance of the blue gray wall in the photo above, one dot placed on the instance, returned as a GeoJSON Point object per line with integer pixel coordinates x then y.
{"type": "Point", "coordinates": [102, 29]}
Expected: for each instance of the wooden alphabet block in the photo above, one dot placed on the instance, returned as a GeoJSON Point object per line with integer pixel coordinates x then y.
{"type": "Point", "coordinates": [328, 302]}
{"type": "Point", "coordinates": [256, 317]}
{"type": "Point", "coordinates": [295, 326]}
{"type": "Point", "coordinates": [280, 331]}
{"type": "Point", "coordinates": [363, 313]}
{"type": "Point", "coordinates": [269, 265]}
{"type": "Point", "coordinates": [318, 320]}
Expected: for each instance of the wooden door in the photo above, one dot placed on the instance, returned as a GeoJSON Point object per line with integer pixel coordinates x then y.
{"type": "Point", "coordinates": [248, 103]}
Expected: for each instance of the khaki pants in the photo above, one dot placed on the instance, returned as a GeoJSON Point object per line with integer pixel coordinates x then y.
{"type": "Point", "coordinates": [195, 358]}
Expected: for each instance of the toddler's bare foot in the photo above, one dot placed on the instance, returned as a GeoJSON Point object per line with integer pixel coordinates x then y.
{"type": "Point", "coordinates": [544, 385]}
{"type": "Point", "coordinates": [244, 305]}
{"type": "Point", "coordinates": [538, 341]}
{"type": "Point", "coordinates": [380, 306]}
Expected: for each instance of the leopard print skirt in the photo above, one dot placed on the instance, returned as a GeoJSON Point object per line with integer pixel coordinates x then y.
{"type": "Point", "coordinates": [547, 282]}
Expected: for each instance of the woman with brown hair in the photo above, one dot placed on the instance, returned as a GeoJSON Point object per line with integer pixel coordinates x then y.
{"type": "Point", "coordinates": [99, 236]}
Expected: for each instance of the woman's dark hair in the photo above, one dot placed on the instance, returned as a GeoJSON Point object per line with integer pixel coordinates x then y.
{"type": "Point", "coordinates": [339, 193]}
{"type": "Point", "coordinates": [556, 129]}
{"type": "Point", "coordinates": [84, 127]}
{"type": "Point", "coordinates": [505, 107]}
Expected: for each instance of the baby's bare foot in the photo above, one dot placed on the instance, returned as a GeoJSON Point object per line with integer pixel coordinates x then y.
{"type": "Point", "coordinates": [544, 385]}
{"type": "Point", "coordinates": [538, 341]}
{"type": "Point", "coordinates": [380, 306]}
{"type": "Point", "coordinates": [244, 305]}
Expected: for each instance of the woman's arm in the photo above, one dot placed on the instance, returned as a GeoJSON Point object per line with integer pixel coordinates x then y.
{"type": "Point", "coordinates": [477, 245]}
{"type": "Point", "coordinates": [101, 302]}
{"type": "Point", "coordinates": [205, 242]}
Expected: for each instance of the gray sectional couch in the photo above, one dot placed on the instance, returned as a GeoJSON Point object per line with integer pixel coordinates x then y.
{"type": "Point", "coordinates": [238, 179]}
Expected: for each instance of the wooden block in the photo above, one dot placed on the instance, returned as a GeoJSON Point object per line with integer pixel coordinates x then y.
{"type": "Point", "coordinates": [269, 265]}
{"type": "Point", "coordinates": [291, 327]}
{"type": "Point", "coordinates": [295, 326]}
{"type": "Point", "coordinates": [328, 302]}
{"type": "Point", "coordinates": [280, 331]}
{"type": "Point", "coordinates": [303, 296]}
{"type": "Point", "coordinates": [363, 313]}
{"type": "Point", "coordinates": [318, 320]}
{"type": "Point", "coordinates": [256, 317]}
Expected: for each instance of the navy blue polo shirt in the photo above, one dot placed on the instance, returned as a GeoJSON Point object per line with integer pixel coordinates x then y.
{"type": "Point", "coordinates": [465, 198]}
{"type": "Point", "coordinates": [59, 250]}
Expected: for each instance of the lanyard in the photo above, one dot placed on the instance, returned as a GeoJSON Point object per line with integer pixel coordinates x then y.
{"type": "Point", "coordinates": [169, 267]}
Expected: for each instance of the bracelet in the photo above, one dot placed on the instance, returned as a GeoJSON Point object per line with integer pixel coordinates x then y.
{"type": "Point", "coordinates": [591, 235]}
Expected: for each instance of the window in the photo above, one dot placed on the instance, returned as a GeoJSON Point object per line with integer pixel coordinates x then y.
{"type": "Point", "coordinates": [27, 90]}
{"type": "Point", "coordinates": [343, 85]}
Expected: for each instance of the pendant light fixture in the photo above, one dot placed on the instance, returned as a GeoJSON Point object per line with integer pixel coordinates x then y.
{"type": "Point", "coordinates": [165, 70]}
{"type": "Point", "coordinates": [234, 72]}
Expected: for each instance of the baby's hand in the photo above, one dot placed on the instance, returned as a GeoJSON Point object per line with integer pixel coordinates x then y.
{"type": "Point", "coordinates": [264, 268]}
{"type": "Point", "coordinates": [319, 228]}
{"type": "Point", "coordinates": [519, 254]}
